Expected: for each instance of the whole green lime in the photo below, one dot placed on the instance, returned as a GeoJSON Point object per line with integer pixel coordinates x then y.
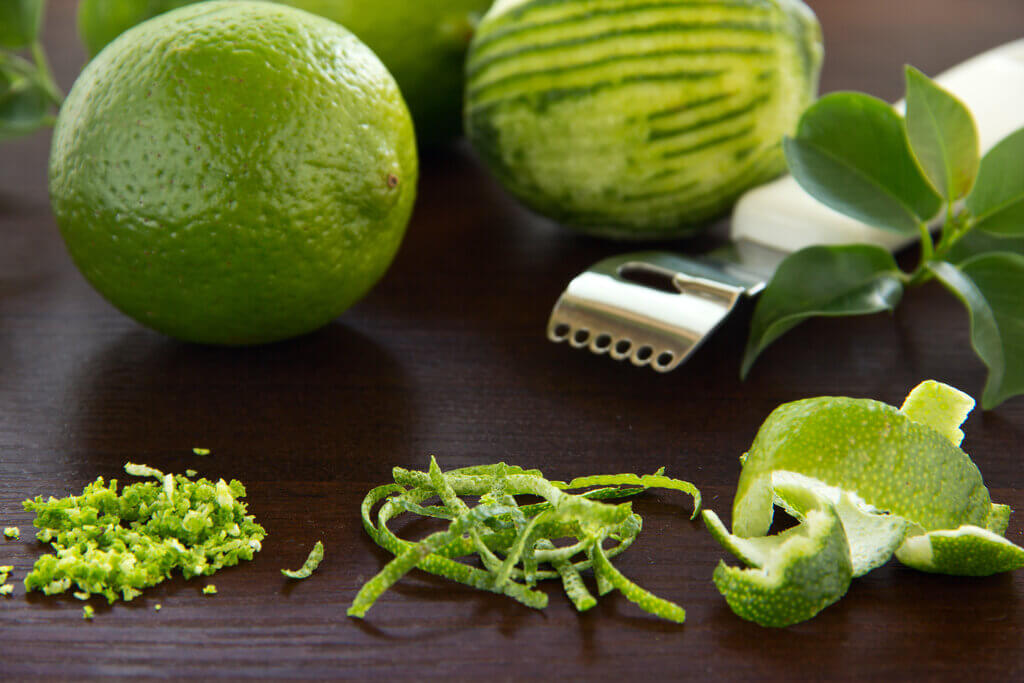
{"type": "Point", "coordinates": [422, 42]}
{"type": "Point", "coordinates": [234, 172]}
{"type": "Point", "coordinates": [635, 119]}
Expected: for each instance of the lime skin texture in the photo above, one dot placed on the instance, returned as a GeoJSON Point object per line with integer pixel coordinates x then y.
{"type": "Point", "coordinates": [638, 120]}
{"type": "Point", "coordinates": [234, 172]}
{"type": "Point", "coordinates": [422, 42]}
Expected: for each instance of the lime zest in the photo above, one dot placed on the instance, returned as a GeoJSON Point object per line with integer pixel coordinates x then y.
{"type": "Point", "coordinates": [117, 543]}
{"type": "Point", "coordinates": [201, 451]}
{"type": "Point", "coordinates": [88, 612]}
{"type": "Point", "coordinates": [644, 599]}
{"type": "Point", "coordinates": [6, 589]}
{"type": "Point", "coordinates": [316, 556]}
{"type": "Point", "coordinates": [12, 532]}
{"type": "Point", "coordinates": [512, 540]}
{"type": "Point", "coordinates": [209, 589]}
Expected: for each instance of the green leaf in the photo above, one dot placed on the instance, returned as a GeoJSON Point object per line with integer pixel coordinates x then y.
{"type": "Point", "coordinates": [851, 153]}
{"type": "Point", "coordinates": [989, 285]}
{"type": "Point", "coordinates": [942, 136]}
{"type": "Point", "coordinates": [976, 242]}
{"type": "Point", "coordinates": [23, 109]}
{"type": "Point", "coordinates": [823, 281]}
{"type": "Point", "coordinates": [20, 22]}
{"type": "Point", "coordinates": [997, 200]}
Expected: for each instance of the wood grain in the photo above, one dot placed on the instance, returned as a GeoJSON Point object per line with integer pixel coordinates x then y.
{"type": "Point", "coordinates": [447, 356]}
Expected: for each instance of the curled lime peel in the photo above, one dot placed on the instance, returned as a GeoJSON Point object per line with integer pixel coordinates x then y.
{"type": "Point", "coordinates": [897, 483]}
{"type": "Point", "coordinates": [316, 556]}
{"type": "Point", "coordinates": [513, 541]}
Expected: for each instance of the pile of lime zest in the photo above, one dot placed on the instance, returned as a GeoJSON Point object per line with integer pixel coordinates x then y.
{"type": "Point", "coordinates": [515, 542]}
{"type": "Point", "coordinates": [6, 588]}
{"type": "Point", "coordinates": [88, 612]}
{"type": "Point", "coordinates": [895, 482]}
{"type": "Point", "coordinates": [209, 589]}
{"type": "Point", "coordinates": [12, 532]}
{"type": "Point", "coordinates": [201, 451]}
{"type": "Point", "coordinates": [157, 607]}
{"type": "Point", "coordinates": [116, 544]}
{"type": "Point", "coordinates": [316, 556]}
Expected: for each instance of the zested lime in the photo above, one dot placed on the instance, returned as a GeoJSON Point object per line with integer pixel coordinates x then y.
{"type": "Point", "coordinates": [635, 119]}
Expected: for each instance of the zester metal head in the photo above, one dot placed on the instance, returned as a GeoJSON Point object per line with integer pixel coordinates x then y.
{"type": "Point", "coordinates": [653, 308]}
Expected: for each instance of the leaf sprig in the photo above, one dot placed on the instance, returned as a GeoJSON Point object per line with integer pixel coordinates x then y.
{"type": "Point", "coordinates": [859, 156]}
{"type": "Point", "coordinates": [29, 94]}
{"type": "Point", "coordinates": [514, 542]}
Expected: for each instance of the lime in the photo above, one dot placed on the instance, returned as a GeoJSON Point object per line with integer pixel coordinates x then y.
{"type": "Point", "coordinates": [635, 119]}
{"type": "Point", "coordinates": [234, 172]}
{"type": "Point", "coordinates": [422, 43]}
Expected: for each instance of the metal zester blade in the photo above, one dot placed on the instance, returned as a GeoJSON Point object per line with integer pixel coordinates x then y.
{"type": "Point", "coordinates": [656, 308]}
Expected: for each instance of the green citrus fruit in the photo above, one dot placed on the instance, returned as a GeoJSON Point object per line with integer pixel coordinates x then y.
{"type": "Point", "coordinates": [423, 44]}
{"type": "Point", "coordinates": [234, 172]}
{"type": "Point", "coordinates": [635, 119]}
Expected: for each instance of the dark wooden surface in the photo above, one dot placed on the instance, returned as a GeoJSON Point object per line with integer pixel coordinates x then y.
{"type": "Point", "coordinates": [448, 357]}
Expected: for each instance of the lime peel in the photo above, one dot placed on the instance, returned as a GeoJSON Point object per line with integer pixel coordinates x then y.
{"type": "Point", "coordinates": [940, 406]}
{"type": "Point", "coordinates": [513, 541]}
{"type": "Point", "coordinates": [967, 551]}
{"type": "Point", "coordinates": [850, 460]}
{"type": "Point", "coordinates": [316, 556]}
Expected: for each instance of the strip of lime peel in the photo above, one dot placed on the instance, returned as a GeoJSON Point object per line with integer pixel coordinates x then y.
{"type": "Point", "coordinates": [316, 556]}
{"type": "Point", "coordinates": [796, 573]}
{"type": "Point", "coordinates": [856, 458]}
{"type": "Point", "coordinates": [511, 540]}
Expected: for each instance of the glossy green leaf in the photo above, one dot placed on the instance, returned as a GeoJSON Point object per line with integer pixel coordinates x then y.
{"type": "Point", "coordinates": [851, 153]}
{"type": "Point", "coordinates": [990, 287]}
{"type": "Point", "coordinates": [976, 242]}
{"type": "Point", "coordinates": [942, 136]}
{"type": "Point", "coordinates": [997, 200]}
{"type": "Point", "coordinates": [20, 22]}
{"type": "Point", "coordinates": [823, 281]}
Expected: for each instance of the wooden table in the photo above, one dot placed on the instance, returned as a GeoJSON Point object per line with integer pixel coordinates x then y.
{"type": "Point", "coordinates": [447, 356]}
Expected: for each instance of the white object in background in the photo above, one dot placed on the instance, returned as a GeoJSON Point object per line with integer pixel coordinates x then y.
{"type": "Point", "coordinates": [781, 215]}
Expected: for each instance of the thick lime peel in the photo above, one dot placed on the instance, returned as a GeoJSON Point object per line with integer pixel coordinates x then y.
{"type": "Point", "coordinates": [939, 406]}
{"type": "Point", "coordinates": [511, 540]}
{"type": "Point", "coordinates": [967, 551]}
{"type": "Point", "coordinates": [872, 536]}
{"type": "Point", "coordinates": [316, 556]}
{"type": "Point", "coordinates": [807, 573]}
{"type": "Point", "coordinates": [896, 482]}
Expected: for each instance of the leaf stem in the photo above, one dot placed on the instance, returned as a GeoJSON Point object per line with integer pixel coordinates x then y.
{"type": "Point", "coordinates": [45, 74]}
{"type": "Point", "coordinates": [927, 245]}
